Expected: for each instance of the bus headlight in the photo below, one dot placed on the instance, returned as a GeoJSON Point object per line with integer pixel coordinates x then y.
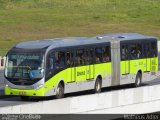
{"type": "Point", "coordinates": [7, 86]}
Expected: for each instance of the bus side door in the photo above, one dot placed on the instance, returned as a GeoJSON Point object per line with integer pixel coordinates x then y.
{"type": "Point", "coordinates": [80, 67]}
{"type": "Point", "coordinates": [154, 60]}
{"type": "Point", "coordinates": [124, 59]}
{"type": "Point", "coordinates": [89, 64]}
{"type": "Point", "coordinates": [70, 66]}
{"type": "Point", "coordinates": [151, 54]}
{"type": "Point", "coordinates": [148, 59]}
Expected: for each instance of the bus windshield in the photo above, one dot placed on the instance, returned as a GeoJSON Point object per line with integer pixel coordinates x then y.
{"type": "Point", "coordinates": [24, 66]}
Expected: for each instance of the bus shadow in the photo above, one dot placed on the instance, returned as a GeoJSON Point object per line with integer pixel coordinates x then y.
{"type": "Point", "coordinates": [88, 92]}
{"type": "Point", "coordinates": [82, 93]}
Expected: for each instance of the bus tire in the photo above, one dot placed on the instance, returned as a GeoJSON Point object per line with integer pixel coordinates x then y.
{"type": "Point", "coordinates": [60, 91]}
{"type": "Point", "coordinates": [138, 80]}
{"type": "Point", "coordinates": [24, 98]}
{"type": "Point", "coordinates": [98, 85]}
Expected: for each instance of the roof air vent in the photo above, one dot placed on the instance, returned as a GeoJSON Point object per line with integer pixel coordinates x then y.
{"type": "Point", "coordinates": [120, 37]}
{"type": "Point", "coordinates": [99, 37]}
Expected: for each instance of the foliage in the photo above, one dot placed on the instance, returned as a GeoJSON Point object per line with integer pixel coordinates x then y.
{"type": "Point", "coordinates": [42, 19]}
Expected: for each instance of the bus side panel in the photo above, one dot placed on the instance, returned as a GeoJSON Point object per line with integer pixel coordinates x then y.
{"type": "Point", "coordinates": [80, 73]}
{"type": "Point", "coordinates": [142, 64]}
{"type": "Point", "coordinates": [148, 64]}
{"type": "Point", "coordinates": [154, 64]}
{"type": "Point", "coordinates": [104, 70]}
{"type": "Point", "coordinates": [53, 82]}
{"type": "Point", "coordinates": [70, 75]}
{"type": "Point", "coordinates": [99, 70]}
{"type": "Point", "coordinates": [108, 73]}
{"type": "Point", "coordinates": [122, 67]}
{"type": "Point", "coordinates": [91, 73]}
{"type": "Point", "coordinates": [154, 68]}
{"type": "Point", "coordinates": [135, 65]}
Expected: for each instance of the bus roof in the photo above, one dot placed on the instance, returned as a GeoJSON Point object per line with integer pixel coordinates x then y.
{"type": "Point", "coordinates": [76, 41]}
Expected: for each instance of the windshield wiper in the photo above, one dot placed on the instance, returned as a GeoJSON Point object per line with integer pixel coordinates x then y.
{"type": "Point", "coordinates": [21, 71]}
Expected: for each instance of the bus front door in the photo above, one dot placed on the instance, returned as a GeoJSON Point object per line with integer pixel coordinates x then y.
{"type": "Point", "coordinates": [70, 65]}
{"type": "Point", "coordinates": [89, 72]}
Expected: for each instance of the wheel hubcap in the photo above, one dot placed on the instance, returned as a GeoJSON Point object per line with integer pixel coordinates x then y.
{"type": "Point", "coordinates": [98, 86]}
{"type": "Point", "coordinates": [58, 91]}
{"type": "Point", "coordinates": [138, 81]}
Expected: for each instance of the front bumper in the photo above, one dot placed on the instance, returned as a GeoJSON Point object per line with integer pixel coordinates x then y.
{"type": "Point", "coordinates": [24, 92]}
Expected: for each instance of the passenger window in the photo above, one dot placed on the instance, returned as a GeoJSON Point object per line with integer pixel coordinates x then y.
{"type": "Point", "coordinates": [69, 58]}
{"type": "Point", "coordinates": [98, 55]}
{"type": "Point", "coordinates": [51, 63]}
{"type": "Point", "coordinates": [139, 51]}
{"type": "Point", "coordinates": [79, 57]}
{"type": "Point", "coordinates": [59, 60]}
{"type": "Point", "coordinates": [106, 54]}
{"type": "Point", "coordinates": [136, 51]}
{"type": "Point", "coordinates": [89, 56]}
{"type": "Point", "coordinates": [124, 52]}
{"type": "Point", "coordinates": [153, 49]}
{"type": "Point", "coordinates": [147, 50]}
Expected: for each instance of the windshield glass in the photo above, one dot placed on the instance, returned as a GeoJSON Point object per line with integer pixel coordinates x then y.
{"type": "Point", "coordinates": [24, 65]}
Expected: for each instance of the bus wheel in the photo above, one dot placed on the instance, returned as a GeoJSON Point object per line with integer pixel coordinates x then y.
{"type": "Point", "coordinates": [138, 80]}
{"type": "Point", "coordinates": [24, 98]}
{"type": "Point", "coordinates": [98, 85]}
{"type": "Point", "coordinates": [60, 91]}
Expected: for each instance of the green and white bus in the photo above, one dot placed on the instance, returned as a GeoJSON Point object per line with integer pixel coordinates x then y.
{"type": "Point", "coordinates": [64, 65]}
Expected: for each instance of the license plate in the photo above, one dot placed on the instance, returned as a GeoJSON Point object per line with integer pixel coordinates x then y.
{"type": "Point", "coordinates": [22, 93]}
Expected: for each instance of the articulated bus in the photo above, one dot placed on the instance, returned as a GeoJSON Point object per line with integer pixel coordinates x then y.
{"type": "Point", "coordinates": [64, 65]}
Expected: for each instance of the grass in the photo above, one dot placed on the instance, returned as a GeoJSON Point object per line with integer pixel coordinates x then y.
{"type": "Point", "coordinates": [22, 20]}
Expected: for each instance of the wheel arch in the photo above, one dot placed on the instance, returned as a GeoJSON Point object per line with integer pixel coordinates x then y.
{"type": "Point", "coordinates": [139, 71]}
{"type": "Point", "coordinates": [61, 82]}
{"type": "Point", "coordinates": [100, 77]}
